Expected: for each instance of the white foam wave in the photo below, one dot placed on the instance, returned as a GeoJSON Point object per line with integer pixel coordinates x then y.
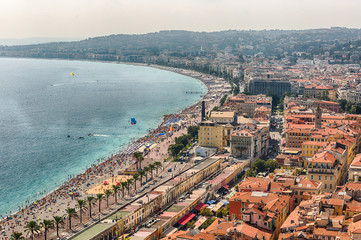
{"type": "Point", "coordinates": [100, 135]}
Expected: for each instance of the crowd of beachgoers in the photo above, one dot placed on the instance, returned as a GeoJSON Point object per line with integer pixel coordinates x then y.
{"type": "Point", "coordinates": [55, 203]}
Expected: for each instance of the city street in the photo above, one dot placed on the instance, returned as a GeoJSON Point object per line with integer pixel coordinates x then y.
{"type": "Point", "coordinates": [275, 136]}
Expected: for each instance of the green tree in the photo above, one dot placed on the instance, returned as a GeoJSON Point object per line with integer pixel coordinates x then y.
{"type": "Point", "coordinates": [58, 221]}
{"type": "Point", "coordinates": [47, 224]}
{"type": "Point", "coordinates": [158, 165]}
{"type": "Point", "coordinates": [251, 173]}
{"type": "Point", "coordinates": [215, 108]}
{"type": "Point", "coordinates": [271, 165]}
{"type": "Point", "coordinates": [175, 149]}
{"type": "Point", "coordinates": [115, 189]}
{"type": "Point", "coordinates": [183, 140]}
{"type": "Point", "coordinates": [100, 197]}
{"type": "Point", "coordinates": [91, 202]}
{"type": "Point", "coordinates": [17, 236]}
{"type": "Point", "coordinates": [206, 212]}
{"type": "Point", "coordinates": [246, 92]}
{"type": "Point", "coordinates": [71, 213]}
{"type": "Point", "coordinates": [258, 165]}
{"type": "Point", "coordinates": [139, 156]}
{"type": "Point", "coordinates": [81, 205]}
{"type": "Point", "coordinates": [223, 100]}
{"type": "Point", "coordinates": [193, 131]}
{"type": "Point", "coordinates": [190, 224]}
{"type": "Point", "coordinates": [124, 186]}
{"type": "Point", "coordinates": [236, 90]}
{"type": "Point", "coordinates": [32, 227]}
{"type": "Point", "coordinates": [135, 178]}
{"type": "Point", "coordinates": [129, 183]}
{"type": "Point", "coordinates": [146, 170]}
{"type": "Point", "coordinates": [343, 103]}
{"type": "Point", "coordinates": [207, 223]}
{"type": "Point", "coordinates": [151, 168]}
{"type": "Point", "coordinates": [107, 194]}
{"type": "Point", "coordinates": [141, 174]}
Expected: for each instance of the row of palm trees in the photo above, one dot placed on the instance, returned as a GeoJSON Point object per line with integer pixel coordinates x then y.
{"type": "Point", "coordinates": [86, 204]}
{"type": "Point", "coordinates": [33, 227]}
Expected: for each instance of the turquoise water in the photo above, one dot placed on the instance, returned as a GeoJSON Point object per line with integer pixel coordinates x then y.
{"type": "Point", "coordinates": [41, 103]}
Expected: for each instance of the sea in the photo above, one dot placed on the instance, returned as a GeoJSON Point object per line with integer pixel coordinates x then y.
{"type": "Point", "coordinates": [58, 117]}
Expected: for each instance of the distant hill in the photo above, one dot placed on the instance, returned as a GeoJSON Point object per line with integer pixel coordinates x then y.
{"type": "Point", "coordinates": [187, 43]}
{"type": "Point", "coordinates": [28, 41]}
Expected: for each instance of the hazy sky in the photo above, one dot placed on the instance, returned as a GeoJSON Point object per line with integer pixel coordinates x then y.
{"type": "Point", "coordinates": [89, 18]}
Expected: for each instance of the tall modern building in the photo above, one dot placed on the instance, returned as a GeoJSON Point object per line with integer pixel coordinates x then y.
{"type": "Point", "coordinates": [269, 86]}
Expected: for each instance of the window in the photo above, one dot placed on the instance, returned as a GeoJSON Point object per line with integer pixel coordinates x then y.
{"type": "Point", "coordinates": [311, 177]}
{"type": "Point", "coordinates": [325, 177]}
{"type": "Point", "coordinates": [331, 186]}
{"type": "Point", "coordinates": [319, 177]}
{"type": "Point", "coordinates": [330, 177]}
{"type": "Point", "coordinates": [325, 186]}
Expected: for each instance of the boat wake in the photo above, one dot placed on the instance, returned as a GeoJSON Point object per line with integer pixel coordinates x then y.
{"type": "Point", "coordinates": [100, 135]}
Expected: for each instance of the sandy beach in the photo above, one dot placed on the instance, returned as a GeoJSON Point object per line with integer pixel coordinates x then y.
{"type": "Point", "coordinates": [92, 180]}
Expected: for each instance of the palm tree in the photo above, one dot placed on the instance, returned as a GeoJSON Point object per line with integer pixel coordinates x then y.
{"type": "Point", "coordinates": [129, 182]}
{"type": "Point", "coordinates": [158, 165]}
{"type": "Point", "coordinates": [58, 221]}
{"type": "Point", "coordinates": [17, 236]}
{"type": "Point", "coordinates": [100, 197]}
{"type": "Point", "coordinates": [135, 178]}
{"type": "Point", "coordinates": [32, 227]}
{"type": "Point", "coordinates": [141, 174]}
{"type": "Point", "coordinates": [47, 224]}
{"type": "Point", "coordinates": [91, 202]}
{"type": "Point", "coordinates": [124, 185]}
{"type": "Point", "coordinates": [81, 204]}
{"type": "Point", "coordinates": [146, 170]}
{"type": "Point", "coordinates": [151, 168]}
{"type": "Point", "coordinates": [71, 213]}
{"type": "Point", "coordinates": [140, 158]}
{"type": "Point", "coordinates": [107, 194]}
{"type": "Point", "coordinates": [115, 191]}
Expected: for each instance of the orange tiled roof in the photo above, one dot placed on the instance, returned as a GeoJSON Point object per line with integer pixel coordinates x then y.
{"type": "Point", "coordinates": [357, 161]}
{"type": "Point", "coordinates": [292, 219]}
{"type": "Point", "coordinates": [252, 232]}
{"type": "Point", "coordinates": [328, 233]}
{"type": "Point", "coordinates": [255, 184]}
{"type": "Point", "coordinates": [323, 157]}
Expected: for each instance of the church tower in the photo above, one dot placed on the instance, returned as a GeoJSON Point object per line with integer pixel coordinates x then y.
{"type": "Point", "coordinates": [318, 115]}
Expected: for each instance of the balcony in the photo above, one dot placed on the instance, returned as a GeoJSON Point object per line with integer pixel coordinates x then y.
{"type": "Point", "coordinates": [321, 171]}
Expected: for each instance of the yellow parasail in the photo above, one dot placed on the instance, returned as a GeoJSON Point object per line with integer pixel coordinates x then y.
{"type": "Point", "coordinates": [72, 74]}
